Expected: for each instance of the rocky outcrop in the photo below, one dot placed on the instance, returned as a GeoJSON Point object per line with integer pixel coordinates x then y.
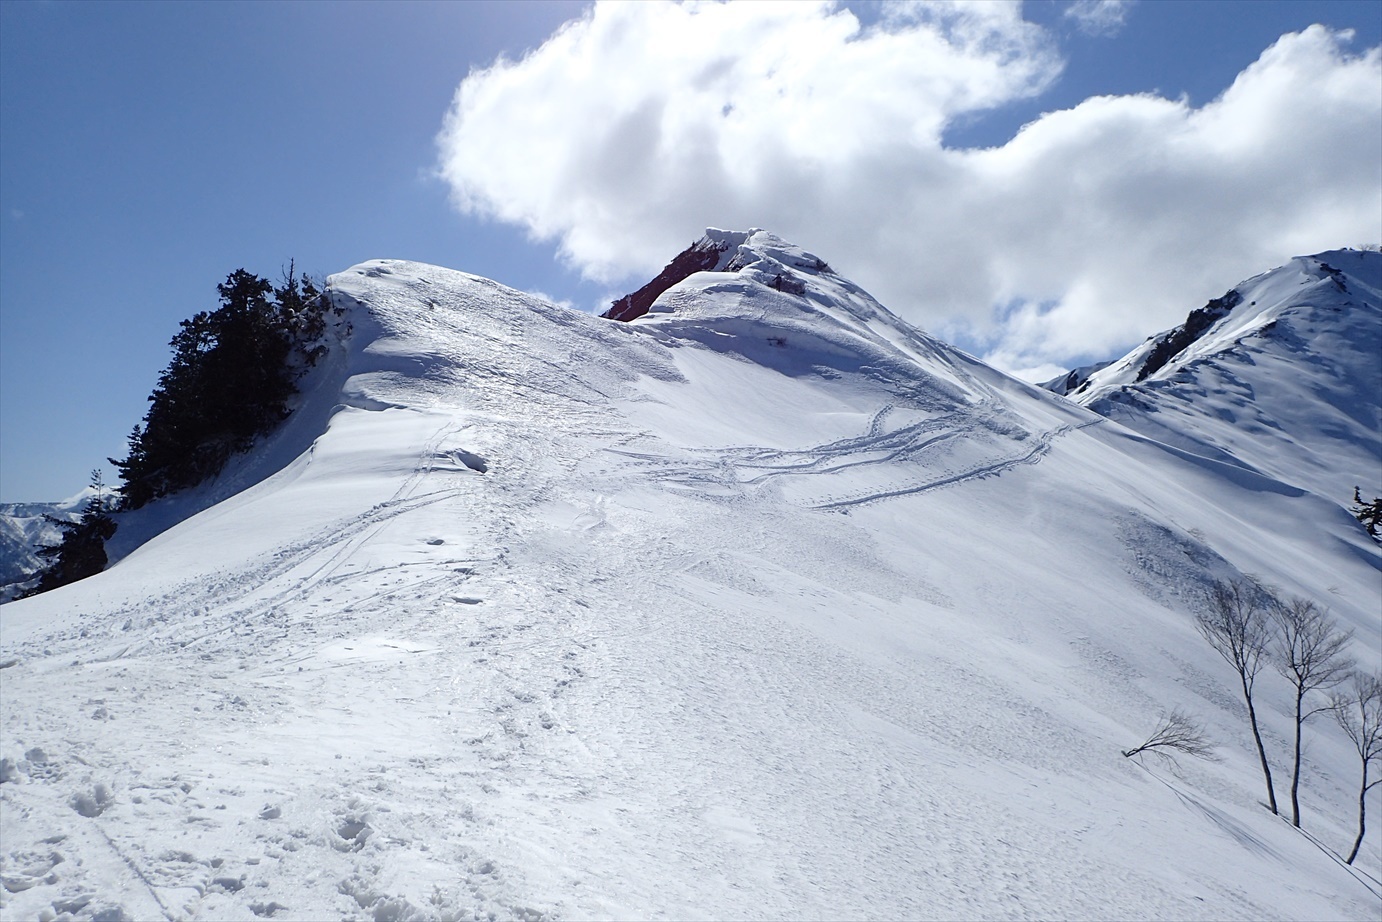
{"type": "Point", "coordinates": [705, 255]}
{"type": "Point", "coordinates": [1173, 343]}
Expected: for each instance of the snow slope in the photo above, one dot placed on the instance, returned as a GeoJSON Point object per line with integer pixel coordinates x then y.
{"type": "Point", "coordinates": [1282, 375]}
{"type": "Point", "coordinates": [762, 605]}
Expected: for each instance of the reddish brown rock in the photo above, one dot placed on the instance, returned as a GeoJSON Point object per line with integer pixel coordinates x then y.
{"type": "Point", "coordinates": [701, 256]}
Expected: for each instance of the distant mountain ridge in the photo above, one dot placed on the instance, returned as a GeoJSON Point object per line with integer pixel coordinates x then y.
{"type": "Point", "coordinates": [24, 528]}
{"type": "Point", "coordinates": [1073, 379]}
{"type": "Point", "coordinates": [1280, 375]}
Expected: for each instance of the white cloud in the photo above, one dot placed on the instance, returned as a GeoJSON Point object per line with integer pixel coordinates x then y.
{"type": "Point", "coordinates": [639, 124]}
{"type": "Point", "coordinates": [1099, 17]}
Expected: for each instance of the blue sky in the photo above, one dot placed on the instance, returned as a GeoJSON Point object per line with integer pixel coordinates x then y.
{"type": "Point", "coordinates": [146, 150]}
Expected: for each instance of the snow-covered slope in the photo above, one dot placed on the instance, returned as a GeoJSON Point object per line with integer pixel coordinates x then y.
{"type": "Point", "coordinates": [1282, 375]}
{"type": "Point", "coordinates": [762, 605]}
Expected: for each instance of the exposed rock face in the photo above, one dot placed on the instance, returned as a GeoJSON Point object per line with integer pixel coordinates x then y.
{"type": "Point", "coordinates": [1173, 343]}
{"type": "Point", "coordinates": [705, 255]}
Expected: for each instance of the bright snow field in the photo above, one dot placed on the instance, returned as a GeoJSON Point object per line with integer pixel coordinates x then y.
{"type": "Point", "coordinates": [764, 605]}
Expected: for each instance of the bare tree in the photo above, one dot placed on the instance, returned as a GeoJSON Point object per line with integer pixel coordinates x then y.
{"type": "Point", "coordinates": [1235, 624]}
{"type": "Point", "coordinates": [1310, 655]}
{"type": "Point", "coordinates": [1177, 732]}
{"type": "Point", "coordinates": [1358, 709]}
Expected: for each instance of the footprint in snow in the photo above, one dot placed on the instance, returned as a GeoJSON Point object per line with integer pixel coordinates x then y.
{"type": "Point", "coordinates": [34, 870]}
{"type": "Point", "coordinates": [352, 834]}
{"type": "Point", "coordinates": [94, 804]}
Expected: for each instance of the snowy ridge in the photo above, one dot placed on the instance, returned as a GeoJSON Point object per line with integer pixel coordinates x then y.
{"type": "Point", "coordinates": [1280, 375]}
{"type": "Point", "coordinates": [762, 605]}
{"type": "Point", "coordinates": [836, 401]}
{"type": "Point", "coordinates": [1074, 379]}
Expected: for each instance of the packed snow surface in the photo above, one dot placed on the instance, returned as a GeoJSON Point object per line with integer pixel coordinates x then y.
{"type": "Point", "coordinates": [763, 605]}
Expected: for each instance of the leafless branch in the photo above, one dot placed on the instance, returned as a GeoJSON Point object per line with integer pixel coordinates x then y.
{"type": "Point", "coordinates": [1234, 622]}
{"type": "Point", "coordinates": [1310, 654]}
{"type": "Point", "coordinates": [1177, 732]}
{"type": "Point", "coordinates": [1358, 710]}
{"type": "Point", "coordinates": [1311, 646]}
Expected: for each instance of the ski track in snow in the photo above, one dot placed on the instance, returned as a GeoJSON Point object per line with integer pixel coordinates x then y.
{"type": "Point", "coordinates": [542, 661]}
{"type": "Point", "coordinates": [255, 630]}
{"type": "Point", "coordinates": [921, 445]}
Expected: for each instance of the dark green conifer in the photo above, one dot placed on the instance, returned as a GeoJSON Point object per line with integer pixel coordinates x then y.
{"type": "Point", "coordinates": [81, 552]}
{"type": "Point", "coordinates": [229, 382]}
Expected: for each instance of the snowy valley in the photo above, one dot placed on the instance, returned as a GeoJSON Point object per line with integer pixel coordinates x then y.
{"type": "Point", "coordinates": [761, 604]}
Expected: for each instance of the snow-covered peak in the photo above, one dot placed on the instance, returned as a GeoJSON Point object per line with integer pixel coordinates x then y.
{"type": "Point", "coordinates": [719, 250]}
{"type": "Point", "coordinates": [776, 304]}
{"type": "Point", "coordinates": [1314, 286]}
{"type": "Point", "coordinates": [1280, 375]}
{"type": "Point", "coordinates": [726, 242]}
{"type": "Point", "coordinates": [773, 311]}
{"type": "Point", "coordinates": [713, 252]}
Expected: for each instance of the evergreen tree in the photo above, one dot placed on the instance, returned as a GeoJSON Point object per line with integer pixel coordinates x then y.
{"type": "Point", "coordinates": [229, 381]}
{"type": "Point", "coordinates": [303, 313]}
{"type": "Point", "coordinates": [81, 552]}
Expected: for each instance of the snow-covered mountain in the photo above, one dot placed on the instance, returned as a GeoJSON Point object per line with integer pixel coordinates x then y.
{"type": "Point", "coordinates": [762, 604]}
{"type": "Point", "coordinates": [1072, 380]}
{"type": "Point", "coordinates": [1282, 375]}
{"type": "Point", "coordinates": [26, 527]}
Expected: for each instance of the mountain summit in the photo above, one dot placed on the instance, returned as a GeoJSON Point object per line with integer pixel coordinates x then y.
{"type": "Point", "coordinates": [762, 603]}
{"type": "Point", "coordinates": [1280, 375]}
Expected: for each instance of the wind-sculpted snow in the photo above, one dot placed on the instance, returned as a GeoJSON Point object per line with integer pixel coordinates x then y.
{"type": "Point", "coordinates": [763, 605]}
{"type": "Point", "coordinates": [1281, 375]}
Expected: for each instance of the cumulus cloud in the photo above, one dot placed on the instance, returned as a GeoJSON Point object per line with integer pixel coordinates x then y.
{"type": "Point", "coordinates": [636, 126]}
{"type": "Point", "coordinates": [1099, 17]}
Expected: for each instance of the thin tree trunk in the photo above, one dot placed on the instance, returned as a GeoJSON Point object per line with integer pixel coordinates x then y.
{"type": "Point", "coordinates": [1261, 750]}
{"type": "Point", "coordinates": [1295, 772]}
{"type": "Point", "coordinates": [1362, 815]}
